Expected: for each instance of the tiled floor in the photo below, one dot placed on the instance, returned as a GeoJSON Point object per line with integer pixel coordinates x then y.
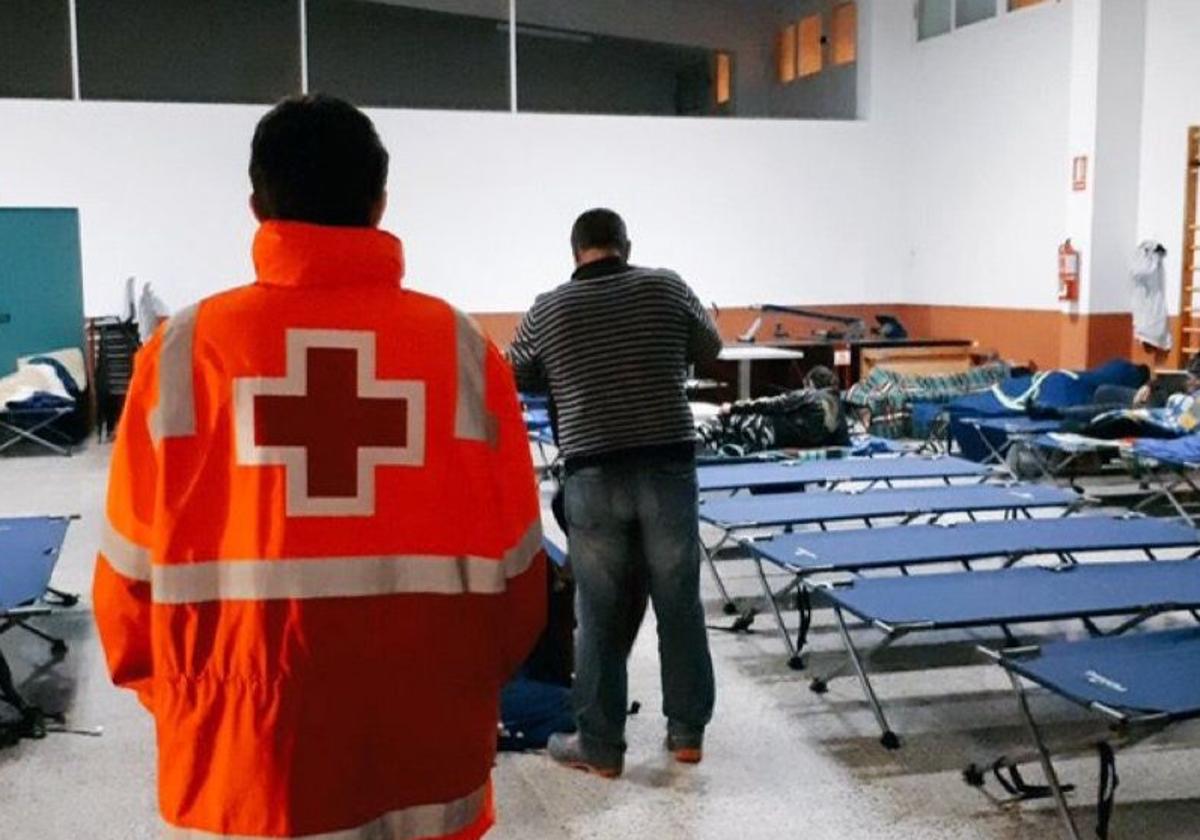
{"type": "Point", "coordinates": [780, 761]}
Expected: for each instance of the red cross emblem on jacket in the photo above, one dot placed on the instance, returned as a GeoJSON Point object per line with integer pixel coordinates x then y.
{"type": "Point", "coordinates": [330, 422]}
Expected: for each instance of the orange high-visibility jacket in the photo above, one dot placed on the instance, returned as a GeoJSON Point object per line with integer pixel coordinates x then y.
{"type": "Point", "coordinates": [323, 551]}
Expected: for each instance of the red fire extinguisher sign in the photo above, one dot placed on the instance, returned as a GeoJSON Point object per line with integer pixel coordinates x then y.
{"type": "Point", "coordinates": [1068, 272]}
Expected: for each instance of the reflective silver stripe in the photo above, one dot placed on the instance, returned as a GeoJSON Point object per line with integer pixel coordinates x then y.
{"type": "Point", "coordinates": [127, 557]}
{"type": "Point", "coordinates": [519, 557]}
{"type": "Point", "coordinates": [175, 415]}
{"type": "Point", "coordinates": [410, 823]}
{"type": "Point", "coordinates": [471, 418]}
{"type": "Point", "coordinates": [341, 577]}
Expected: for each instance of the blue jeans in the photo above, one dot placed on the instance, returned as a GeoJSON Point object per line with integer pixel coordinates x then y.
{"type": "Point", "coordinates": [633, 533]}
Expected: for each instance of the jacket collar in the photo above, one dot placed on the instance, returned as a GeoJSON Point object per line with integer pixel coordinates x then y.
{"type": "Point", "coordinates": [299, 254]}
{"type": "Point", "coordinates": [600, 268]}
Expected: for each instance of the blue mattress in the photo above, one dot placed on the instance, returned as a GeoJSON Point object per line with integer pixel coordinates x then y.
{"type": "Point", "coordinates": [1138, 674]}
{"type": "Point", "coordinates": [29, 549]}
{"type": "Point", "coordinates": [853, 550]}
{"type": "Point", "coordinates": [1031, 593]}
{"type": "Point", "coordinates": [802, 473]}
{"type": "Point", "coordinates": [779, 509]}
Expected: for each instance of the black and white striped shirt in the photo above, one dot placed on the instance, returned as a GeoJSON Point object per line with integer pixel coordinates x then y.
{"type": "Point", "coordinates": [612, 347]}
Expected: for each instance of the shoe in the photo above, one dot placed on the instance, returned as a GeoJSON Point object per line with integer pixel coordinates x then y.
{"type": "Point", "coordinates": [568, 750]}
{"type": "Point", "coordinates": [686, 749]}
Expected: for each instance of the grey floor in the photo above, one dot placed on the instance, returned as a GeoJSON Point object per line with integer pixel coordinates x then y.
{"type": "Point", "coordinates": [780, 761]}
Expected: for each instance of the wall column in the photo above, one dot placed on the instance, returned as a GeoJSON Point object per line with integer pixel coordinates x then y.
{"type": "Point", "coordinates": [1108, 51]}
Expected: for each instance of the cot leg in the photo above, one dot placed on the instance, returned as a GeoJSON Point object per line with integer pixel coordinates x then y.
{"type": "Point", "coordinates": [888, 738]}
{"type": "Point", "coordinates": [33, 720]}
{"type": "Point", "coordinates": [820, 685]}
{"type": "Point", "coordinates": [996, 455]}
{"type": "Point", "coordinates": [30, 434]}
{"type": "Point", "coordinates": [64, 599]}
{"type": "Point", "coordinates": [729, 607]}
{"type": "Point", "coordinates": [1131, 622]}
{"type": "Point", "coordinates": [1169, 492]}
{"type": "Point", "coordinates": [8, 689]}
{"type": "Point", "coordinates": [795, 662]}
{"type": "Point", "coordinates": [57, 646]}
{"type": "Point", "coordinates": [1056, 789]}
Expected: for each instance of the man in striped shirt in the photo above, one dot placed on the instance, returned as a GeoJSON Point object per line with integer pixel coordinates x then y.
{"type": "Point", "coordinates": [612, 347]}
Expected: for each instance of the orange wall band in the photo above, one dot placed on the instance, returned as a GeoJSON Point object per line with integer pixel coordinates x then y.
{"type": "Point", "coordinates": [1044, 338]}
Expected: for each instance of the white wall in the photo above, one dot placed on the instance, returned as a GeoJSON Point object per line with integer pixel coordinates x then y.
{"type": "Point", "coordinates": [1171, 104]}
{"type": "Point", "coordinates": [747, 210]}
{"type": "Point", "coordinates": [985, 139]}
{"type": "Point", "coordinates": [954, 190]}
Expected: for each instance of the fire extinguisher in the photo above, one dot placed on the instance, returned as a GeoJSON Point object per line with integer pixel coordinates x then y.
{"type": "Point", "coordinates": [1068, 272]}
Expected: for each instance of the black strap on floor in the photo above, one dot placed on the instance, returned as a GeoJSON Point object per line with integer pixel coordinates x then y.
{"type": "Point", "coordinates": [741, 624]}
{"type": "Point", "coordinates": [1107, 794]}
{"type": "Point", "coordinates": [1016, 785]}
{"type": "Point", "coordinates": [804, 608]}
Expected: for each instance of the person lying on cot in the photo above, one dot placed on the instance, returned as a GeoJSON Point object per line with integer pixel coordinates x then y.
{"type": "Point", "coordinates": [807, 417]}
{"type": "Point", "coordinates": [1159, 393]}
{"type": "Point", "coordinates": [1167, 408]}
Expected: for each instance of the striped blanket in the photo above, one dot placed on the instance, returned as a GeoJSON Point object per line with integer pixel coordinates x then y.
{"type": "Point", "coordinates": [885, 398]}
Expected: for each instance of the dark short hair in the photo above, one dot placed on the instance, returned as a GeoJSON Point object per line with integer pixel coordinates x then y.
{"type": "Point", "coordinates": [317, 159]}
{"type": "Point", "coordinates": [599, 228]}
{"type": "Point", "coordinates": [821, 377]}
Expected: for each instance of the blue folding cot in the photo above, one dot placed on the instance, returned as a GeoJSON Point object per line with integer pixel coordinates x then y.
{"type": "Point", "coordinates": [820, 508]}
{"type": "Point", "coordinates": [1142, 683]}
{"type": "Point", "coordinates": [993, 437]}
{"type": "Point", "coordinates": [29, 550]}
{"type": "Point", "coordinates": [35, 425]}
{"type": "Point", "coordinates": [851, 552]}
{"type": "Point", "coordinates": [1164, 467]}
{"type": "Point", "coordinates": [823, 507]}
{"type": "Point", "coordinates": [1051, 453]}
{"type": "Point", "coordinates": [898, 606]}
{"type": "Point", "coordinates": [781, 475]}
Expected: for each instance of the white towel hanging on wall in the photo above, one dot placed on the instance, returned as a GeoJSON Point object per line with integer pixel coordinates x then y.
{"type": "Point", "coordinates": [1149, 305]}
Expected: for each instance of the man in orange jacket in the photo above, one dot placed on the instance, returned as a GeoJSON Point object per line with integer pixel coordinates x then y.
{"type": "Point", "coordinates": [323, 554]}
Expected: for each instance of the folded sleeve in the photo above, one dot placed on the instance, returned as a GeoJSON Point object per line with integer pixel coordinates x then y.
{"type": "Point", "coordinates": [704, 341]}
{"type": "Point", "coordinates": [524, 354]}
